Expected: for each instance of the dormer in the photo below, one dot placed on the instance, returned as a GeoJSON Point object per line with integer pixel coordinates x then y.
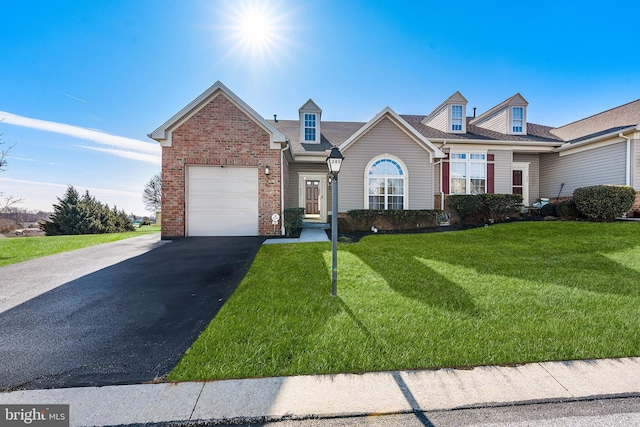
{"type": "Point", "coordinates": [310, 115]}
{"type": "Point", "coordinates": [508, 117]}
{"type": "Point", "coordinates": [450, 116]}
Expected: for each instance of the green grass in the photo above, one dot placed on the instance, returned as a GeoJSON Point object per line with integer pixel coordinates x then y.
{"type": "Point", "coordinates": [510, 293]}
{"type": "Point", "coordinates": [18, 249]}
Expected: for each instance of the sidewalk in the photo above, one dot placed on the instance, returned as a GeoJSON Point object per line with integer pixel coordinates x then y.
{"type": "Point", "coordinates": [342, 395]}
{"type": "Point", "coordinates": [307, 235]}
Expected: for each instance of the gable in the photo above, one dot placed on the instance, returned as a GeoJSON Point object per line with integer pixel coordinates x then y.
{"type": "Point", "coordinates": [163, 133]}
{"type": "Point", "coordinates": [390, 117]}
{"type": "Point", "coordinates": [310, 107]}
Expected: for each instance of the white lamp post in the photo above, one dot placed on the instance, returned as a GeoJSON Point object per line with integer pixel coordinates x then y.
{"type": "Point", "coordinates": [334, 162]}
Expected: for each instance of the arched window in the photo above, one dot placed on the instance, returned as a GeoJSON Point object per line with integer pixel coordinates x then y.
{"type": "Point", "coordinates": [385, 181]}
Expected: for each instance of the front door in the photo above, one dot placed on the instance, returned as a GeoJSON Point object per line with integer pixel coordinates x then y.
{"type": "Point", "coordinates": [312, 194]}
{"type": "Point", "coordinates": [520, 181]}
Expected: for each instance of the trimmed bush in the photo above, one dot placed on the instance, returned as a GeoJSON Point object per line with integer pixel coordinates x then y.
{"type": "Point", "coordinates": [567, 209]}
{"type": "Point", "coordinates": [394, 219]}
{"type": "Point", "coordinates": [604, 202]}
{"type": "Point", "coordinates": [483, 208]}
{"type": "Point", "coordinates": [292, 220]}
{"type": "Point", "coordinates": [550, 209]}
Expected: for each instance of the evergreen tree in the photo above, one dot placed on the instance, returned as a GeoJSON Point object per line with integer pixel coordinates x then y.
{"type": "Point", "coordinates": [84, 215]}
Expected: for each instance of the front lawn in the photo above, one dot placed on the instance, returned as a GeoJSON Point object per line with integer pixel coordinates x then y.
{"type": "Point", "coordinates": [18, 249]}
{"type": "Point", "coordinates": [509, 293]}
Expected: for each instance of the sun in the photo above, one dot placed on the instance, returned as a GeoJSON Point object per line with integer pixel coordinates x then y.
{"type": "Point", "coordinates": [256, 30]}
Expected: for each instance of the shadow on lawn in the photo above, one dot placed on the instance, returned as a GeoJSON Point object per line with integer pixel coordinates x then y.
{"type": "Point", "coordinates": [577, 256]}
{"type": "Point", "coordinates": [412, 279]}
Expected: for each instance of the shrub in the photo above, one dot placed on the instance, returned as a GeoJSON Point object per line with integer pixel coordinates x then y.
{"type": "Point", "coordinates": [84, 215]}
{"type": "Point", "coordinates": [604, 202]}
{"type": "Point", "coordinates": [567, 209]}
{"type": "Point", "coordinates": [482, 208]}
{"type": "Point", "coordinates": [550, 209]}
{"type": "Point", "coordinates": [293, 220]}
{"type": "Point", "coordinates": [393, 219]}
{"type": "Point", "coordinates": [7, 225]}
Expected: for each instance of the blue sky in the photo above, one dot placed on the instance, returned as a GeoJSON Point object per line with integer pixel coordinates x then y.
{"type": "Point", "coordinates": [84, 82]}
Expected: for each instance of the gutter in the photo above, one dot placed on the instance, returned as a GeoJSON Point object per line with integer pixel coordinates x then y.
{"type": "Point", "coordinates": [568, 146]}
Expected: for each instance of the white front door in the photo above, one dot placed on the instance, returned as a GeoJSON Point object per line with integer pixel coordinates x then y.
{"type": "Point", "coordinates": [312, 188]}
{"type": "Point", "coordinates": [520, 181]}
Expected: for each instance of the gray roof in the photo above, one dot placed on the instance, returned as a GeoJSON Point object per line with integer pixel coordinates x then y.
{"type": "Point", "coordinates": [618, 118]}
{"type": "Point", "coordinates": [335, 133]}
{"type": "Point", "coordinates": [332, 133]}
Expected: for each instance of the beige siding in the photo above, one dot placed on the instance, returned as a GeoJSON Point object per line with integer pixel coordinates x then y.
{"type": "Point", "coordinates": [603, 165]}
{"type": "Point", "coordinates": [386, 138]}
{"type": "Point", "coordinates": [440, 120]}
{"type": "Point", "coordinates": [534, 174]}
{"type": "Point", "coordinates": [497, 122]}
{"type": "Point", "coordinates": [502, 174]}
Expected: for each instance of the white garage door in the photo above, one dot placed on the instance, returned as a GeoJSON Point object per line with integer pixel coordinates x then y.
{"type": "Point", "coordinates": [222, 201]}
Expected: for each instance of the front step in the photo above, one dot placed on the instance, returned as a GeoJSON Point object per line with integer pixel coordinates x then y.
{"type": "Point", "coordinates": [307, 224]}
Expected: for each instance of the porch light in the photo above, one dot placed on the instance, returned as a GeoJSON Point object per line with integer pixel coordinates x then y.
{"type": "Point", "coordinates": [334, 162]}
{"type": "Point", "coordinates": [267, 171]}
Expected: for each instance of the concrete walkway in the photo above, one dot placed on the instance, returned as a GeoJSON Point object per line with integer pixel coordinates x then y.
{"type": "Point", "coordinates": [307, 235]}
{"type": "Point", "coordinates": [342, 395]}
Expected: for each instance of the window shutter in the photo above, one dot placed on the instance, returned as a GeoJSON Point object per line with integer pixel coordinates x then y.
{"type": "Point", "coordinates": [490, 174]}
{"type": "Point", "coordinates": [445, 176]}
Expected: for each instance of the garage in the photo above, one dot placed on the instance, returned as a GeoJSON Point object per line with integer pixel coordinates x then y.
{"type": "Point", "coordinates": [222, 201]}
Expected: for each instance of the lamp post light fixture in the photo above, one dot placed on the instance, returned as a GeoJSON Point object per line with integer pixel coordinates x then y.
{"type": "Point", "coordinates": [334, 162]}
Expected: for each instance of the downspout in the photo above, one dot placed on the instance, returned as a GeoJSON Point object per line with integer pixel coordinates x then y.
{"type": "Point", "coordinates": [629, 162]}
{"type": "Point", "coordinates": [286, 146]}
{"type": "Point", "coordinates": [441, 192]}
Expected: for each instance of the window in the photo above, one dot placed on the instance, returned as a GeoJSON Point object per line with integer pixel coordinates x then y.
{"type": "Point", "coordinates": [385, 185]}
{"type": "Point", "coordinates": [468, 173]}
{"type": "Point", "coordinates": [517, 119]}
{"type": "Point", "coordinates": [456, 118]}
{"type": "Point", "coordinates": [309, 127]}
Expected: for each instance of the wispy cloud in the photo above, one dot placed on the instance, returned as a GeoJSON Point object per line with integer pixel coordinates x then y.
{"type": "Point", "coordinates": [119, 144]}
{"type": "Point", "coordinates": [34, 160]}
{"type": "Point", "coordinates": [149, 158]}
{"type": "Point", "coordinates": [92, 190]}
{"type": "Point", "coordinates": [73, 97]}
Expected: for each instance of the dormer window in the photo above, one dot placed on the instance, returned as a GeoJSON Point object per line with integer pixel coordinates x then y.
{"type": "Point", "coordinates": [309, 127]}
{"type": "Point", "coordinates": [456, 118]}
{"type": "Point", "coordinates": [517, 120]}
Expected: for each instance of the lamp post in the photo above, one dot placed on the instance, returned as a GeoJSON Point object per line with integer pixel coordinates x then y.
{"type": "Point", "coordinates": [334, 161]}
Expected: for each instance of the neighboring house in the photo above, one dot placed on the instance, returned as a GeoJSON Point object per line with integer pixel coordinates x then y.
{"type": "Point", "coordinates": [226, 170]}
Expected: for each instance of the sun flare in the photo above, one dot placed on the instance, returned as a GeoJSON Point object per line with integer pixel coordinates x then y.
{"type": "Point", "coordinates": [256, 29]}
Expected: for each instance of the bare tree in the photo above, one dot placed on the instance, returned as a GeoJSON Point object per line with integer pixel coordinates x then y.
{"type": "Point", "coordinates": [152, 196]}
{"type": "Point", "coordinates": [6, 201]}
{"type": "Point", "coordinates": [4, 154]}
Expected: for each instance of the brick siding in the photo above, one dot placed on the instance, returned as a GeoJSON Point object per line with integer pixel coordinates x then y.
{"type": "Point", "coordinates": [218, 134]}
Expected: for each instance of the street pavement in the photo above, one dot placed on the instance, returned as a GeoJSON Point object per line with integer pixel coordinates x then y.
{"type": "Point", "coordinates": [262, 400]}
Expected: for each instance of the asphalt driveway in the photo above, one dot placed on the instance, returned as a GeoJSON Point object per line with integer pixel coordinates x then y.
{"type": "Point", "coordinates": [62, 324]}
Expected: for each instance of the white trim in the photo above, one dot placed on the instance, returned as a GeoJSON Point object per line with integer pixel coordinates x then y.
{"type": "Point", "coordinates": [434, 152]}
{"type": "Point", "coordinates": [163, 133]}
{"type": "Point", "coordinates": [463, 121]}
{"type": "Point", "coordinates": [322, 198]}
{"type": "Point", "coordinates": [512, 119]}
{"type": "Point", "coordinates": [524, 167]}
{"type": "Point", "coordinates": [405, 170]}
{"type": "Point", "coordinates": [468, 161]}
